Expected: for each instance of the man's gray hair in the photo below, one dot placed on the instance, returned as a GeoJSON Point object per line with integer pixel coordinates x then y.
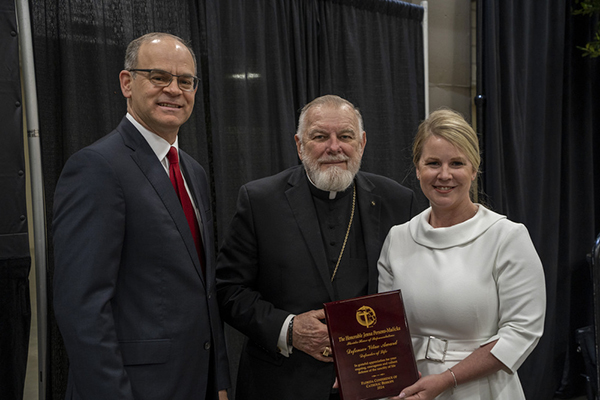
{"type": "Point", "coordinates": [327, 100]}
{"type": "Point", "coordinates": [133, 49]}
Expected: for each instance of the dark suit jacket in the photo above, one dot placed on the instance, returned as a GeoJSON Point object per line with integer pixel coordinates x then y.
{"type": "Point", "coordinates": [272, 263]}
{"type": "Point", "coordinates": [138, 319]}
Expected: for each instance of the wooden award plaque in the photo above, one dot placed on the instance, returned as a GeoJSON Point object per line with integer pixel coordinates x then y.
{"type": "Point", "coordinates": [371, 346]}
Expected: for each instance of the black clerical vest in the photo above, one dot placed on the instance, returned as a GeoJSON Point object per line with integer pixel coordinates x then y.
{"type": "Point", "coordinates": [352, 276]}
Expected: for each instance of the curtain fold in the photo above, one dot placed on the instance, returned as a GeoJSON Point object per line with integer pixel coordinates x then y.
{"type": "Point", "coordinates": [260, 65]}
{"type": "Point", "coordinates": [539, 163]}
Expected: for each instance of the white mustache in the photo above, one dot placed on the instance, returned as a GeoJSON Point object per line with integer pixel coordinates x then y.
{"type": "Point", "coordinates": [337, 158]}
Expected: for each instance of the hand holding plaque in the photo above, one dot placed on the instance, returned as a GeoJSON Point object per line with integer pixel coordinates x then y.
{"type": "Point", "coordinates": [371, 346]}
{"type": "Point", "coordinates": [310, 334]}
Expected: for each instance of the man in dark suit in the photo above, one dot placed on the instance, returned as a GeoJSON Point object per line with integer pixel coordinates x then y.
{"type": "Point", "coordinates": [308, 235]}
{"type": "Point", "coordinates": [134, 282]}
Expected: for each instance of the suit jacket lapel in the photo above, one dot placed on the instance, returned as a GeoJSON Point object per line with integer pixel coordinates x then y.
{"type": "Point", "coordinates": [301, 203]}
{"type": "Point", "coordinates": [148, 163]}
{"type": "Point", "coordinates": [369, 205]}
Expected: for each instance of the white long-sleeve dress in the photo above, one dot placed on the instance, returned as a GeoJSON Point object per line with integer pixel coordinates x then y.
{"type": "Point", "coordinates": [468, 284]}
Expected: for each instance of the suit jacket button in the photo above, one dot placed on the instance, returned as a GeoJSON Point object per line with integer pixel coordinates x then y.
{"type": "Point", "coordinates": [207, 346]}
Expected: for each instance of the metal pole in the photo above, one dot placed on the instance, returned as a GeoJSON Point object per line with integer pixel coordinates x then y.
{"type": "Point", "coordinates": [37, 186]}
{"type": "Point", "coordinates": [425, 25]}
{"type": "Point", "coordinates": [480, 96]}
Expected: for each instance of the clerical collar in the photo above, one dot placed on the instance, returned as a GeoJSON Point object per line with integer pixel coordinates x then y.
{"type": "Point", "coordinates": [324, 194]}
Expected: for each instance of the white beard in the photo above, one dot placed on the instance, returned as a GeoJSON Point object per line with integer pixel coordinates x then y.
{"type": "Point", "coordinates": [332, 179]}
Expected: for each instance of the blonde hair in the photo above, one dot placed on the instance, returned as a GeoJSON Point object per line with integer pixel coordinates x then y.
{"type": "Point", "coordinates": [451, 126]}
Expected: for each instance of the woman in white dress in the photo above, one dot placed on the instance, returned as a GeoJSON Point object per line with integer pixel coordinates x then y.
{"type": "Point", "coordinates": [472, 282]}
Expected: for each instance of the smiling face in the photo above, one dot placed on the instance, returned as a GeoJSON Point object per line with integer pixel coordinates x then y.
{"type": "Point", "coordinates": [161, 110]}
{"type": "Point", "coordinates": [331, 146]}
{"type": "Point", "coordinates": [445, 174]}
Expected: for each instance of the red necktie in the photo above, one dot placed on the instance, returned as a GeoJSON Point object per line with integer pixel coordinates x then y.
{"type": "Point", "coordinates": [186, 203]}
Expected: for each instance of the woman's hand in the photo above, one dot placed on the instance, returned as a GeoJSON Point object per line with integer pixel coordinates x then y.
{"type": "Point", "coordinates": [427, 388]}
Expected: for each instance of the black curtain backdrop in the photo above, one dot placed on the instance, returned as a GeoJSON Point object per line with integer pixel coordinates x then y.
{"type": "Point", "coordinates": [268, 58]}
{"type": "Point", "coordinates": [260, 61]}
{"type": "Point", "coordinates": [15, 260]}
{"type": "Point", "coordinates": [542, 165]}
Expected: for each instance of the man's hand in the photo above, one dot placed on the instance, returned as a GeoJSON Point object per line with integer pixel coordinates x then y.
{"type": "Point", "coordinates": [310, 334]}
{"type": "Point", "coordinates": [223, 395]}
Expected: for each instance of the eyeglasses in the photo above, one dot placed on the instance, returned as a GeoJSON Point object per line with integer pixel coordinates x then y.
{"type": "Point", "coordinates": [158, 77]}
